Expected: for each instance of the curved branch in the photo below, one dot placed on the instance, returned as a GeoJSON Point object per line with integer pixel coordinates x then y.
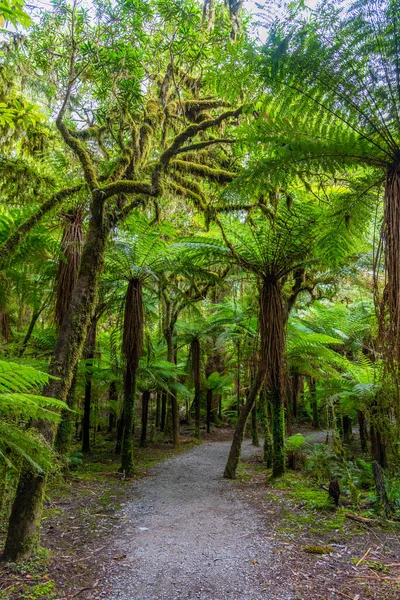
{"type": "Point", "coordinates": [8, 247]}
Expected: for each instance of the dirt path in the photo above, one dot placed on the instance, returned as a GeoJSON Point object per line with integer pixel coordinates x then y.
{"type": "Point", "coordinates": [188, 534]}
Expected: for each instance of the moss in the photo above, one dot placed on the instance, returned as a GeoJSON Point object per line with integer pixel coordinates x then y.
{"type": "Point", "coordinates": [41, 591]}
{"type": "Point", "coordinates": [318, 549]}
{"type": "Point", "coordinates": [219, 175]}
{"type": "Point", "coordinates": [375, 566]}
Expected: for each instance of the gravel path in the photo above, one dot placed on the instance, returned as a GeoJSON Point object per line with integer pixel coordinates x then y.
{"type": "Point", "coordinates": [188, 534]}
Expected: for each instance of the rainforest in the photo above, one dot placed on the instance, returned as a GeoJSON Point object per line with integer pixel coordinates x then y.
{"type": "Point", "coordinates": [199, 299]}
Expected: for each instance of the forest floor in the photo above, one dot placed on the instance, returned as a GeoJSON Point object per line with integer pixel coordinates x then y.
{"type": "Point", "coordinates": [180, 531]}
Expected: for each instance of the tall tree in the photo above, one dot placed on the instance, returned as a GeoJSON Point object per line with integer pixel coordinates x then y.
{"type": "Point", "coordinates": [335, 111]}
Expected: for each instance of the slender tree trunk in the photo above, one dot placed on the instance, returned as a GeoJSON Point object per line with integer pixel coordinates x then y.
{"type": "Point", "coordinates": [278, 432]}
{"type": "Point", "coordinates": [89, 353]}
{"type": "Point", "coordinates": [347, 432]}
{"type": "Point", "coordinates": [378, 448]}
{"type": "Point", "coordinates": [23, 530]}
{"type": "Point", "coordinates": [362, 423]}
{"type": "Point", "coordinates": [35, 315]}
{"type": "Point", "coordinates": [234, 454]}
{"type": "Point", "coordinates": [295, 380]}
{"type": "Point", "coordinates": [158, 408]}
{"type": "Point", "coordinates": [314, 402]}
{"type": "Point", "coordinates": [113, 399]}
{"type": "Point", "coordinates": [254, 426]}
{"type": "Point", "coordinates": [209, 396]}
{"type": "Point", "coordinates": [145, 417]}
{"type": "Point", "coordinates": [120, 431]}
{"type": "Point", "coordinates": [238, 380]}
{"type": "Point", "coordinates": [163, 411]}
{"type": "Point", "coordinates": [195, 356]}
{"type": "Point", "coordinates": [172, 396]}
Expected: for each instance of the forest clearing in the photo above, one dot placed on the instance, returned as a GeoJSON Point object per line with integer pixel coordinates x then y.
{"type": "Point", "coordinates": [199, 300]}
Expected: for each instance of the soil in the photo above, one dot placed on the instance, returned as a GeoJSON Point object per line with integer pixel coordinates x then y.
{"type": "Point", "coordinates": [183, 532]}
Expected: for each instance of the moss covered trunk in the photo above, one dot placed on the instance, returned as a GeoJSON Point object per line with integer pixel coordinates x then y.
{"type": "Point", "coordinates": [23, 530]}
{"type": "Point", "coordinates": [273, 318]}
{"type": "Point", "coordinates": [64, 434]}
{"type": "Point", "coordinates": [268, 448]}
{"type": "Point", "coordinates": [132, 347]}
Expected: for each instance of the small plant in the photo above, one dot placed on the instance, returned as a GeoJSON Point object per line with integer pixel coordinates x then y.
{"type": "Point", "coordinates": [75, 460]}
{"type": "Point", "coordinates": [295, 445]}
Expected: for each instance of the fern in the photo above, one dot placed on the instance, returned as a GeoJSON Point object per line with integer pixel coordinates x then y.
{"type": "Point", "coordinates": [18, 405]}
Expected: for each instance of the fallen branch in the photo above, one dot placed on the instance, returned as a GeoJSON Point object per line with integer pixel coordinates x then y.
{"type": "Point", "coordinates": [363, 557]}
{"type": "Point", "coordinates": [359, 519]}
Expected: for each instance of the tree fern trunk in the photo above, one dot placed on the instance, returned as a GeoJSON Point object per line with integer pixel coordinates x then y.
{"type": "Point", "coordinates": [132, 347]}
{"type": "Point", "coordinates": [273, 318]}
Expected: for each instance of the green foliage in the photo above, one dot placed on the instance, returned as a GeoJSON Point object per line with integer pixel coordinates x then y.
{"type": "Point", "coordinates": [11, 11]}
{"type": "Point", "coordinates": [19, 404]}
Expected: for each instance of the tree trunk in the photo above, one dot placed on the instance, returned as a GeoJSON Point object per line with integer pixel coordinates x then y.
{"type": "Point", "coordinates": [35, 315]}
{"type": "Point", "coordinates": [163, 411]}
{"type": "Point", "coordinates": [195, 356]}
{"type": "Point", "coordinates": [132, 348]}
{"type": "Point", "coordinates": [295, 379]}
{"type": "Point", "coordinates": [347, 432]}
{"type": "Point", "coordinates": [254, 426]}
{"type": "Point", "coordinates": [381, 495]}
{"type": "Point", "coordinates": [120, 431]}
{"type": "Point", "coordinates": [113, 399]}
{"type": "Point", "coordinates": [23, 530]}
{"type": "Point", "coordinates": [158, 407]}
{"type": "Point", "coordinates": [145, 417]}
{"type": "Point", "coordinates": [268, 449]}
{"type": "Point", "coordinates": [238, 381]}
{"type": "Point", "coordinates": [378, 448]}
{"type": "Point", "coordinates": [362, 423]}
{"type": "Point", "coordinates": [391, 337]}
{"type": "Point", "coordinates": [209, 396]}
{"type": "Point", "coordinates": [63, 439]}
{"type": "Point", "coordinates": [89, 353]}
{"type": "Point", "coordinates": [314, 403]}
{"type": "Point", "coordinates": [278, 432]}
{"type": "Point", "coordinates": [172, 396]}
{"type": "Point", "coordinates": [234, 454]}
{"type": "Point", "coordinates": [273, 318]}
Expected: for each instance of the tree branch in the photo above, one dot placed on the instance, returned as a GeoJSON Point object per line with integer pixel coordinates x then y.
{"type": "Point", "coordinates": [8, 247]}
